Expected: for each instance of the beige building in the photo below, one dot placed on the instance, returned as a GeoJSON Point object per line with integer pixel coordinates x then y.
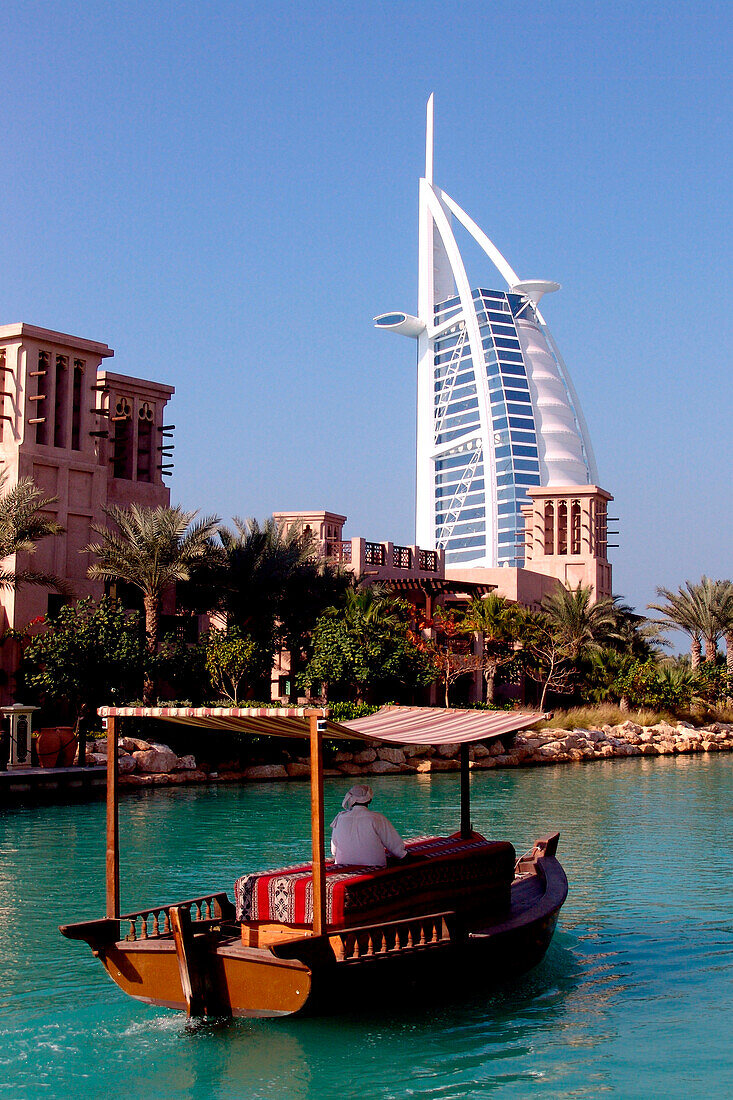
{"type": "Point", "coordinates": [85, 435]}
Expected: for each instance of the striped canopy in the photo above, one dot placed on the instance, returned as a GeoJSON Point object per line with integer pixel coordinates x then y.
{"type": "Point", "coordinates": [393, 725]}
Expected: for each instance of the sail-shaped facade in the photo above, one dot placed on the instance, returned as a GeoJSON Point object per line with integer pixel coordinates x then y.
{"type": "Point", "coordinates": [496, 409]}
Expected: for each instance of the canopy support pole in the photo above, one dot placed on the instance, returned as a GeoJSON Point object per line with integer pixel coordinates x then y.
{"type": "Point", "coordinates": [113, 836]}
{"type": "Point", "coordinates": [466, 829]}
{"type": "Point", "coordinates": [317, 824]}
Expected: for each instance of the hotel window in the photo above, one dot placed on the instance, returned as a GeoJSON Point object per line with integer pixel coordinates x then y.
{"type": "Point", "coordinates": [575, 527]}
{"type": "Point", "coordinates": [40, 398]}
{"type": "Point", "coordinates": [122, 439]}
{"type": "Point", "coordinates": [60, 401]}
{"type": "Point", "coordinates": [76, 404]}
{"type": "Point", "coordinates": [145, 418]}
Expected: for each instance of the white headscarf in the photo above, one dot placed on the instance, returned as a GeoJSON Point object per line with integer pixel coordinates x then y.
{"type": "Point", "coordinates": [360, 795]}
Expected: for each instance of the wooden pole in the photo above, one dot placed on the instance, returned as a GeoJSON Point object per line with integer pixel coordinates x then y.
{"type": "Point", "coordinates": [113, 837]}
{"type": "Point", "coordinates": [465, 794]}
{"type": "Point", "coordinates": [317, 825]}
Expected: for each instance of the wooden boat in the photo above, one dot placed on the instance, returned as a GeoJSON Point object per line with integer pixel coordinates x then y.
{"type": "Point", "coordinates": [459, 912]}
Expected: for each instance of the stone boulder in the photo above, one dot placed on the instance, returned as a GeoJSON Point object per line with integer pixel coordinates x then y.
{"type": "Point", "coordinates": [186, 763]}
{"type": "Point", "coordinates": [298, 771]}
{"type": "Point", "coordinates": [382, 767]}
{"type": "Point", "coordinates": [437, 764]}
{"type": "Point", "coordinates": [418, 750]}
{"type": "Point", "coordinates": [266, 771]}
{"type": "Point", "coordinates": [448, 751]}
{"type": "Point", "coordinates": [393, 755]}
{"type": "Point", "coordinates": [366, 756]}
{"type": "Point", "coordinates": [155, 761]}
{"type": "Point", "coordinates": [126, 763]}
{"type": "Point", "coordinates": [133, 744]}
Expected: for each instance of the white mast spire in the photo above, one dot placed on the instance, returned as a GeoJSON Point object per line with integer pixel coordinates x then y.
{"type": "Point", "coordinates": [429, 140]}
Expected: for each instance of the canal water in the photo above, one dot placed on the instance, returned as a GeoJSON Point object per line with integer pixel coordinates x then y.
{"type": "Point", "coordinates": [634, 999]}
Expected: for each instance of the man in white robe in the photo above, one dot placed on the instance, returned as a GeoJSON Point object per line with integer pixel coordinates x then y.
{"type": "Point", "coordinates": [360, 837]}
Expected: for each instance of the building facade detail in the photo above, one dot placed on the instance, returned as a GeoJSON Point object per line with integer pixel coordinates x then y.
{"type": "Point", "coordinates": [497, 414]}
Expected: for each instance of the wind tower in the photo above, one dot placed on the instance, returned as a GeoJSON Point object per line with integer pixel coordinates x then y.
{"type": "Point", "coordinates": [497, 414]}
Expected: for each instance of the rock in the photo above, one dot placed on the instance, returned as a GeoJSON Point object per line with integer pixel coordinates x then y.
{"type": "Point", "coordinates": [155, 761]}
{"type": "Point", "coordinates": [417, 750]}
{"type": "Point", "coordinates": [448, 751]}
{"type": "Point", "coordinates": [186, 763]}
{"type": "Point", "coordinates": [382, 767]}
{"type": "Point", "coordinates": [133, 744]}
{"type": "Point", "coordinates": [366, 756]}
{"type": "Point", "coordinates": [392, 755]}
{"type": "Point", "coordinates": [506, 760]}
{"type": "Point", "coordinates": [710, 746]}
{"type": "Point", "coordinates": [343, 758]}
{"type": "Point", "coordinates": [484, 763]}
{"type": "Point", "coordinates": [496, 748]}
{"type": "Point", "coordinates": [478, 752]}
{"type": "Point", "coordinates": [665, 748]}
{"type": "Point", "coordinates": [96, 759]}
{"type": "Point", "coordinates": [352, 769]}
{"type": "Point", "coordinates": [298, 771]}
{"type": "Point", "coordinates": [440, 765]}
{"type": "Point", "coordinates": [267, 771]}
{"type": "Point", "coordinates": [630, 727]}
{"type": "Point", "coordinates": [649, 749]}
{"type": "Point", "coordinates": [126, 763]}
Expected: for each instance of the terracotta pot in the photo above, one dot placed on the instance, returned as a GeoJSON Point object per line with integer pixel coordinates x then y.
{"type": "Point", "coordinates": [48, 744]}
{"type": "Point", "coordinates": [67, 746]}
{"type": "Point", "coordinates": [56, 746]}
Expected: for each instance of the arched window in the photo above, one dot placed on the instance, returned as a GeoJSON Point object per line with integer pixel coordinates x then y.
{"type": "Point", "coordinates": [60, 401]}
{"type": "Point", "coordinates": [549, 527]}
{"type": "Point", "coordinates": [76, 405]}
{"type": "Point", "coordinates": [145, 417]}
{"type": "Point", "coordinates": [562, 527]}
{"type": "Point", "coordinates": [575, 527]}
{"type": "Point", "coordinates": [122, 439]}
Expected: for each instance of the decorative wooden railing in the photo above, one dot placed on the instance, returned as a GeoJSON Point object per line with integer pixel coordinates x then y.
{"type": "Point", "coordinates": [374, 553]}
{"type": "Point", "coordinates": [402, 557]}
{"type": "Point", "coordinates": [428, 561]}
{"type": "Point", "coordinates": [339, 551]}
{"type": "Point", "coordinates": [380, 941]}
{"type": "Point", "coordinates": [154, 923]}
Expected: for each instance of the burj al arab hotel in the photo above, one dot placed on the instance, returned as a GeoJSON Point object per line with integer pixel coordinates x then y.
{"type": "Point", "coordinates": [496, 410]}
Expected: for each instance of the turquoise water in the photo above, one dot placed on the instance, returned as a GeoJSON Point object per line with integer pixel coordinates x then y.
{"type": "Point", "coordinates": [634, 999]}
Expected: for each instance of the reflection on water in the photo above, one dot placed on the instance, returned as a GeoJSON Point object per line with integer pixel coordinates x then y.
{"type": "Point", "coordinates": [634, 997]}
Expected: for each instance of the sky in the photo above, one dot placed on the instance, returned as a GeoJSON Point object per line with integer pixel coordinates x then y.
{"type": "Point", "coordinates": [226, 194]}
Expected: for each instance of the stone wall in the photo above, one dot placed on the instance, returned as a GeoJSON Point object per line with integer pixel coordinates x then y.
{"type": "Point", "coordinates": [144, 763]}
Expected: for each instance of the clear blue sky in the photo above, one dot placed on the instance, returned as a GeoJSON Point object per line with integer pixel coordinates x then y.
{"type": "Point", "coordinates": [226, 194]}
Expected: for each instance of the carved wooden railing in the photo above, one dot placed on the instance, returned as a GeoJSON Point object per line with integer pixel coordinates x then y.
{"type": "Point", "coordinates": [374, 553]}
{"type": "Point", "coordinates": [155, 922]}
{"type": "Point", "coordinates": [339, 551]}
{"type": "Point", "coordinates": [428, 561]}
{"type": "Point", "coordinates": [380, 941]}
{"type": "Point", "coordinates": [402, 557]}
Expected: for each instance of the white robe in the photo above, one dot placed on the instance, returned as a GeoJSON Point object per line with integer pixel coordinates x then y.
{"type": "Point", "coordinates": [360, 837]}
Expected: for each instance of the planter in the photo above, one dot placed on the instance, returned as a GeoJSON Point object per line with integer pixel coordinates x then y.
{"type": "Point", "coordinates": [56, 747]}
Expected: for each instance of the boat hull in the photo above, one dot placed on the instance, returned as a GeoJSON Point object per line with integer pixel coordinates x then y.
{"type": "Point", "coordinates": [202, 968]}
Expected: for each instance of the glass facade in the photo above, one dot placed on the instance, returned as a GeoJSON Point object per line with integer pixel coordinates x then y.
{"type": "Point", "coordinates": [466, 516]}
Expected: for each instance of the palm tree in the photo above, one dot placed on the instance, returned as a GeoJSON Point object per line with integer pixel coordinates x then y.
{"type": "Point", "coordinates": [23, 523]}
{"type": "Point", "coordinates": [580, 625]}
{"type": "Point", "coordinates": [495, 619]}
{"type": "Point", "coordinates": [271, 583]}
{"type": "Point", "coordinates": [693, 609]}
{"type": "Point", "coordinates": [151, 549]}
{"type": "Point", "coordinates": [724, 615]}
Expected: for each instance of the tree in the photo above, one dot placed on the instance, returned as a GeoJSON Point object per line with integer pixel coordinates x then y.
{"type": "Point", "coordinates": [151, 549]}
{"type": "Point", "coordinates": [546, 657]}
{"type": "Point", "coordinates": [91, 650]}
{"type": "Point", "coordinates": [450, 647]}
{"type": "Point", "coordinates": [692, 609]}
{"type": "Point", "coordinates": [230, 658]}
{"type": "Point", "coordinates": [23, 523]}
{"type": "Point", "coordinates": [271, 583]}
{"type": "Point", "coordinates": [496, 620]}
{"type": "Point", "coordinates": [368, 647]}
{"type": "Point", "coordinates": [579, 624]}
{"type": "Point", "coordinates": [724, 616]}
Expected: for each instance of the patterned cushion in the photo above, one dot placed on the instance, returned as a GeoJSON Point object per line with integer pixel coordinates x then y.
{"type": "Point", "coordinates": [453, 874]}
